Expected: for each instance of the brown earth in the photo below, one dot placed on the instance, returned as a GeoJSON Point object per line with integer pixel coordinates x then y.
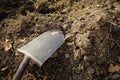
{"type": "Point", "coordinates": [91, 28]}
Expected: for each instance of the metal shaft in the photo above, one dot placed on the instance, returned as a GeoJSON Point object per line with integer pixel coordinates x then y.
{"type": "Point", "coordinates": [21, 68]}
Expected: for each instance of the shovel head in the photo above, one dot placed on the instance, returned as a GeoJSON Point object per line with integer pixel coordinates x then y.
{"type": "Point", "coordinates": [42, 47]}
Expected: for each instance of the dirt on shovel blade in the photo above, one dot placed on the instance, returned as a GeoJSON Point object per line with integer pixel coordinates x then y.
{"type": "Point", "coordinates": [91, 28]}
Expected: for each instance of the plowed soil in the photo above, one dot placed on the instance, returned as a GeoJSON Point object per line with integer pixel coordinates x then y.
{"type": "Point", "coordinates": [92, 38]}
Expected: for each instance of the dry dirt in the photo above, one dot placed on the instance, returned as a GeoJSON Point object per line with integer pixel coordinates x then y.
{"type": "Point", "coordinates": [92, 32]}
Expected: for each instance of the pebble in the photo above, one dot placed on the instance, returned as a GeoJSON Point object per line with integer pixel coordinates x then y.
{"type": "Point", "coordinates": [90, 70]}
{"type": "Point", "coordinates": [80, 67]}
{"type": "Point", "coordinates": [16, 53]}
{"type": "Point", "coordinates": [67, 55]}
{"type": "Point", "coordinates": [65, 26]}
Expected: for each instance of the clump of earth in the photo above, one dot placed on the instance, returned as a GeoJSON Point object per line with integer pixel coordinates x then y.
{"type": "Point", "coordinates": [92, 38]}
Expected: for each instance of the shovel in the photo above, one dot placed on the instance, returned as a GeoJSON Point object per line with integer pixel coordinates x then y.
{"type": "Point", "coordinates": [39, 49]}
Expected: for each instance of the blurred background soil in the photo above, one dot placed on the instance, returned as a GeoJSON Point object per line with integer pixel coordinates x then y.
{"type": "Point", "coordinates": [92, 32]}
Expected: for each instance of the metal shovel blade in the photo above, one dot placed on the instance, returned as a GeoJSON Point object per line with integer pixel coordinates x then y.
{"type": "Point", "coordinates": [42, 47]}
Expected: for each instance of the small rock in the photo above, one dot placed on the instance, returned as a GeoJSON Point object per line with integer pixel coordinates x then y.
{"type": "Point", "coordinates": [68, 36]}
{"type": "Point", "coordinates": [67, 55]}
{"type": "Point", "coordinates": [70, 43]}
{"type": "Point", "coordinates": [90, 70]}
{"type": "Point", "coordinates": [65, 26]}
{"type": "Point", "coordinates": [65, 10]}
{"type": "Point", "coordinates": [85, 58]}
{"type": "Point", "coordinates": [7, 45]}
{"type": "Point", "coordinates": [80, 67]}
{"type": "Point", "coordinates": [16, 53]}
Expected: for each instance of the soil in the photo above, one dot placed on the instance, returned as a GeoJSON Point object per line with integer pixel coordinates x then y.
{"type": "Point", "coordinates": [92, 38]}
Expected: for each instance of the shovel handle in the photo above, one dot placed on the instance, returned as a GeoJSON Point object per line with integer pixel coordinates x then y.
{"type": "Point", "coordinates": [21, 68]}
